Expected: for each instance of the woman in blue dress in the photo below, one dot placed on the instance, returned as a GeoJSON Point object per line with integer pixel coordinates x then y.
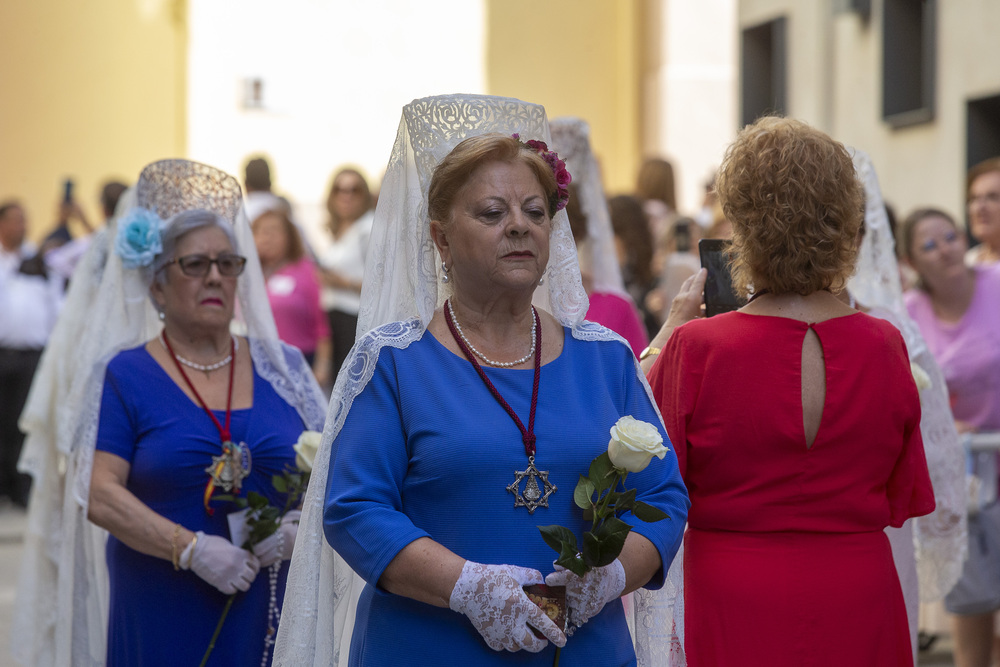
{"type": "Point", "coordinates": [194, 413]}
{"type": "Point", "coordinates": [465, 431]}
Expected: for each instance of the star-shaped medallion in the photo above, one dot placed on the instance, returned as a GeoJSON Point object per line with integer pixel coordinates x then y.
{"type": "Point", "coordinates": [533, 496]}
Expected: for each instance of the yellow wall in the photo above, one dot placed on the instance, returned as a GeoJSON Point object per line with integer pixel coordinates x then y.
{"type": "Point", "coordinates": [88, 90]}
{"type": "Point", "coordinates": [579, 58]}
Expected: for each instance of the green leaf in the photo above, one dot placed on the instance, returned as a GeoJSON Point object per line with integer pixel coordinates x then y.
{"type": "Point", "coordinates": [239, 501]}
{"type": "Point", "coordinates": [607, 542]}
{"type": "Point", "coordinates": [558, 537]}
{"type": "Point", "coordinates": [588, 514]}
{"type": "Point", "coordinates": [572, 562]}
{"type": "Point", "coordinates": [625, 501]}
{"type": "Point", "coordinates": [279, 483]}
{"type": "Point", "coordinates": [583, 493]}
{"type": "Point", "coordinates": [648, 513]}
{"type": "Point", "coordinates": [602, 472]}
{"type": "Point", "coordinates": [256, 501]}
{"type": "Point", "coordinates": [591, 548]}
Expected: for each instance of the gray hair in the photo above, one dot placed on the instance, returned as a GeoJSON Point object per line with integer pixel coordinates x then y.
{"type": "Point", "coordinates": [180, 225]}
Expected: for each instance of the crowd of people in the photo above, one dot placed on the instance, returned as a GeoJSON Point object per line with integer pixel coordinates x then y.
{"type": "Point", "coordinates": [239, 447]}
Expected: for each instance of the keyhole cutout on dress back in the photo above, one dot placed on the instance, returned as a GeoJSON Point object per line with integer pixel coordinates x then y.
{"type": "Point", "coordinates": [813, 385]}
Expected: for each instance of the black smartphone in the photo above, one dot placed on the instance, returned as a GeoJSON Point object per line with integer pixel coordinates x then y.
{"type": "Point", "coordinates": [720, 297]}
{"type": "Point", "coordinates": [68, 191]}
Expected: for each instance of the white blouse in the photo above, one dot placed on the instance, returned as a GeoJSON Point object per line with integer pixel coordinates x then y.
{"type": "Point", "coordinates": [346, 256]}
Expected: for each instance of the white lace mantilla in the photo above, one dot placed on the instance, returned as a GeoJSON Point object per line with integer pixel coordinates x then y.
{"type": "Point", "coordinates": [571, 140]}
{"type": "Point", "coordinates": [940, 538]}
{"type": "Point", "coordinates": [63, 588]}
{"type": "Point", "coordinates": [402, 289]}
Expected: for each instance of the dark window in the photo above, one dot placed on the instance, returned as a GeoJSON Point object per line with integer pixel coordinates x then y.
{"type": "Point", "coordinates": [908, 57]}
{"type": "Point", "coordinates": [763, 52]}
{"type": "Point", "coordinates": [982, 129]}
{"type": "Point", "coordinates": [863, 8]}
{"type": "Point", "coordinates": [982, 138]}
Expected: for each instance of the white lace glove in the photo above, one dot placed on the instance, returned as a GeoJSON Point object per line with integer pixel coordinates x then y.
{"type": "Point", "coordinates": [587, 595]}
{"type": "Point", "coordinates": [279, 545]}
{"type": "Point", "coordinates": [216, 560]}
{"type": "Point", "coordinates": [492, 597]}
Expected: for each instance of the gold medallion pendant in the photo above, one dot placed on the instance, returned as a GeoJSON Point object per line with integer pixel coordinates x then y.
{"type": "Point", "coordinates": [229, 469]}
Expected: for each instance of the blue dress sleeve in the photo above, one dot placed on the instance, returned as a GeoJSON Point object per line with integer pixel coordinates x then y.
{"type": "Point", "coordinates": [659, 485]}
{"type": "Point", "coordinates": [116, 431]}
{"type": "Point", "coordinates": [363, 515]}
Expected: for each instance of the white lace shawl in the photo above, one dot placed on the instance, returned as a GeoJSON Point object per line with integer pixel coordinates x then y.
{"type": "Point", "coordinates": [402, 288]}
{"type": "Point", "coordinates": [571, 140]}
{"type": "Point", "coordinates": [940, 538]}
{"type": "Point", "coordinates": [62, 596]}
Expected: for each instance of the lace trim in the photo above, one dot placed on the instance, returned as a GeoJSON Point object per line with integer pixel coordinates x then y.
{"type": "Point", "coordinates": [940, 539]}
{"type": "Point", "coordinates": [63, 588]}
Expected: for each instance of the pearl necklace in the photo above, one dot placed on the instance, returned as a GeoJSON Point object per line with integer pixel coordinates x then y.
{"type": "Point", "coordinates": [205, 368]}
{"type": "Point", "coordinates": [499, 364]}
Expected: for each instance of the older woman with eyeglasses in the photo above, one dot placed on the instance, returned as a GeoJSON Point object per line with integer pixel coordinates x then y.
{"type": "Point", "coordinates": [189, 420]}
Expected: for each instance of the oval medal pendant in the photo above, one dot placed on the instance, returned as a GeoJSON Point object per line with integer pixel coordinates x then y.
{"type": "Point", "coordinates": [230, 468]}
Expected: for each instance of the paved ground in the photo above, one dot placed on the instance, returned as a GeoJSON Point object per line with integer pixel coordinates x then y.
{"type": "Point", "coordinates": [11, 530]}
{"type": "Point", "coordinates": [12, 526]}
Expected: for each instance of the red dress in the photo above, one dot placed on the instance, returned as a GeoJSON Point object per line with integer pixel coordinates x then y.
{"type": "Point", "coordinates": [785, 560]}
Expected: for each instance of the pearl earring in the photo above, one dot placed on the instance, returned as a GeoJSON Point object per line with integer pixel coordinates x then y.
{"type": "Point", "coordinates": [541, 281]}
{"type": "Point", "coordinates": [161, 315]}
{"type": "Point", "coordinates": [444, 268]}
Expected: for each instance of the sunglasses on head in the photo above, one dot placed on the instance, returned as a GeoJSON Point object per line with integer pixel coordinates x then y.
{"type": "Point", "coordinates": [198, 266]}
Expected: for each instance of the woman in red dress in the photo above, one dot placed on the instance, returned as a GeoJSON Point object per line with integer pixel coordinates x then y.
{"type": "Point", "coordinates": [796, 426]}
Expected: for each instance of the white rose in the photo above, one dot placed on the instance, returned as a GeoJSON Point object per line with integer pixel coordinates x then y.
{"type": "Point", "coordinates": [306, 448]}
{"type": "Point", "coordinates": [634, 443]}
{"type": "Point", "coordinates": [920, 376]}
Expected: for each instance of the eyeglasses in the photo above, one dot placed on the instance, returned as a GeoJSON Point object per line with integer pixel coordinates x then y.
{"type": "Point", "coordinates": [353, 190]}
{"type": "Point", "coordinates": [992, 198]}
{"type": "Point", "coordinates": [198, 266]}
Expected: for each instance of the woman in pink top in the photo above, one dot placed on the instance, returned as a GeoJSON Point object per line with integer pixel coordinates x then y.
{"type": "Point", "coordinates": [958, 311]}
{"type": "Point", "coordinates": [293, 290]}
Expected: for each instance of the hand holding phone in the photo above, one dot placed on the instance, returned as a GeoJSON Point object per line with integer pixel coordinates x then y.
{"type": "Point", "coordinates": [720, 296]}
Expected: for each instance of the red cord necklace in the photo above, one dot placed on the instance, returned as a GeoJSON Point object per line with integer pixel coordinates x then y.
{"type": "Point", "coordinates": [533, 497]}
{"type": "Point", "coordinates": [230, 468]}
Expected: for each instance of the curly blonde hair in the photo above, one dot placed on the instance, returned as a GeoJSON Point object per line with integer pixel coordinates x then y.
{"type": "Point", "coordinates": [451, 175]}
{"type": "Point", "coordinates": [796, 206]}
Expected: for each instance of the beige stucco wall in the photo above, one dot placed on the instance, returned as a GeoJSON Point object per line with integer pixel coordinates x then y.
{"type": "Point", "coordinates": [696, 83]}
{"type": "Point", "coordinates": [89, 90]}
{"type": "Point", "coordinates": [835, 83]}
{"type": "Point", "coordinates": [577, 59]}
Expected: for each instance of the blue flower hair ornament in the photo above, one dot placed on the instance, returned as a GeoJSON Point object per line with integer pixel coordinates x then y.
{"type": "Point", "coordinates": [139, 238]}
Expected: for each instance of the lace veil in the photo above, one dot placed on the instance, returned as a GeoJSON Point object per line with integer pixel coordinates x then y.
{"type": "Point", "coordinates": [402, 288]}
{"type": "Point", "coordinates": [940, 537]}
{"type": "Point", "coordinates": [63, 590]}
{"type": "Point", "coordinates": [571, 139]}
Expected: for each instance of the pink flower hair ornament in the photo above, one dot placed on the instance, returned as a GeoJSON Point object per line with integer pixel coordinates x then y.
{"type": "Point", "coordinates": [558, 200]}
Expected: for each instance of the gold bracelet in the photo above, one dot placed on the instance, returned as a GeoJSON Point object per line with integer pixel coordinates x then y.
{"type": "Point", "coordinates": [174, 556]}
{"type": "Point", "coordinates": [649, 352]}
{"type": "Point", "coordinates": [191, 545]}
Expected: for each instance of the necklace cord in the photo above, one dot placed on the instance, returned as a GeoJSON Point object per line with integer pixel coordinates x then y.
{"type": "Point", "coordinates": [223, 430]}
{"type": "Point", "coordinates": [527, 434]}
